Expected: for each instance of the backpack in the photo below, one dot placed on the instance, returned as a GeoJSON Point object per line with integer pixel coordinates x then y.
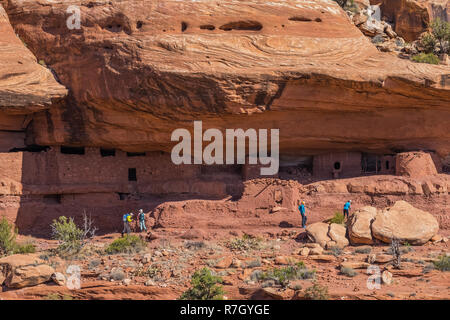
{"type": "Point", "coordinates": [125, 217]}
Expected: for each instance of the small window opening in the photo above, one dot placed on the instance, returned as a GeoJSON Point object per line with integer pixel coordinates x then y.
{"type": "Point", "coordinates": [135, 154]}
{"type": "Point", "coordinates": [387, 165]}
{"type": "Point", "coordinates": [132, 174]}
{"type": "Point", "coordinates": [72, 150]}
{"type": "Point", "coordinates": [183, 26]}
{"type": "Point", "coordinates": [123, 196]}
{"type": "Point", "coordinates": [52, 199]}
{"type": "Point", "coordinates": [337, 165]}
{"type": "Point", "coordinates": [107, 152]}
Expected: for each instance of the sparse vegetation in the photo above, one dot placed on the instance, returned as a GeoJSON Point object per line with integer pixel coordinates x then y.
{"type": "Point", "coordinates": [429, 58]}
{"type": "Point", "coordinates": [8, 244]}
{"type": "Point", "coordinates": [150, 272]}
{"type": "Point", "coordinates": [71, 238]}
{"type": "Point", "coordinates": [57, 296]}
{"type": "Point", "coordinates": [204, 286]}
{"type": "Point", "coordinates": [243, 244]}
{"type": "Point", "coordinates": [127, 244]}
{"type": "Point", "coordinates": [349, 272]}
{"type": "Point", "coordinates": [338, 218]}
{"type": "Point", "coordinates": [348, 5]}
{"type": "Point", "coordinates": [282, 276]}
{"type": "Point", "coordinates": [317, 292]}
{"type": "Point", "coordinates": [364, 250]}
{"type": "Point", "coordinates": [443, 264]}
{"type": "Point", "coordinates": [335, 251]}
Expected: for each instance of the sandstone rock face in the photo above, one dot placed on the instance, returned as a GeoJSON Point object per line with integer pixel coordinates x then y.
{"type": "Point", "coordinates": [415, 164]}
{"type": "Point", "coordinates": [405, 223]}
{"type": "Point", "coordinates": [411, 18]}
{"type": "Point", "coordinates": [21, 270]}
{"type": "Point", "coordinates": [318, 233]}
{"type": "Point", "coordinates": [359, 228]}
{"type": "Point", "coordinates": [337, 233]}
{"type": "Point", "coordinates": [149, 68]}
{"type": "Point", "coordinates": [25, 85]}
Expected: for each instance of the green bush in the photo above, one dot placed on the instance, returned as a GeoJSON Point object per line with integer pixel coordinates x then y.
{"type": "Point", "coordinates": [338, 218]}
{"type": "Point", "coordinates": [127, 244]}
{"type": "Point", "coordinates": [429, 58]}
{"type": "Point", "coordinates": [282, 276]}
{"type": "Point", "coordinates": [443, 264]}
{"type": "Point", "coordinates": [441, 32]}
{"type": "Point", "coordinates": [204, 286]}
{"type": "Point", "coordinates": [428, 42]}
{"type": "Point", "coordinates": [25, 248]}
{"type": "Point", "coordinates": [348, 5]}
{"type": "Point", "coordinates": [70, 237]}
{"type": "Point", "coordinates": [7, 237]}
{"type": "Point", "coordinates": [316, 292]}
{"type": "Point", "coordinates": [8, 244]}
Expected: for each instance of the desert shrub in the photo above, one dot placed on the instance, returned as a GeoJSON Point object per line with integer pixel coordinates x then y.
{"type": "Point", "coordinates": [8, 244]}
{"type": "Point", "coordinates": [348, 5]}
{"type": "Point", "coordinates": [127, 244]}
{"type": "Point", "coordinates": [316, 292]}
{"type": "Point", "coordinates": [364, 250]}
{"type": "Point", "coordinates": [349, 272]}
{"type": "Point", "coordinates": [7, 237]}
{"type": "Point", "coordinates": [204, 286]}
{"type": "Point", "coordinates": [25, 248]}
{"type": "Point", "coordinates": [428, 42]}
{"type": "Point", "coordinates": [150, 272]}
{"type": "Point", "coordinates": [282, 276]}
{"type": "Point", "coordinates": [338, 218]}
{"type": "Point", "coordinates": [71, 238]}
{"type": "Point", "coordinates": [443, 264]}
{"type": "Point", "coordinates": [335, 251]}
{"type": "Point", "coordinates": [243, 244]}
{"type": "Point", "coordinates": [441, 32]}
{"type": "Point", "coordinates": [429, 58]}
{"type": "Point", "coordinates": [195, 245]}
{"type": "Point", "coordinates": [254, 263]}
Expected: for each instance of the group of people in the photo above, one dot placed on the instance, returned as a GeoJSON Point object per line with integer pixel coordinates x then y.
{"type": "Point", "coordinates": [128, 219]}
{"type": "Point", "coordinates": [302, 210]}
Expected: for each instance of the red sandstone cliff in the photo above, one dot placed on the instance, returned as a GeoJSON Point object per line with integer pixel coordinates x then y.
{"type": "Point", "coordinates": [137, 70]}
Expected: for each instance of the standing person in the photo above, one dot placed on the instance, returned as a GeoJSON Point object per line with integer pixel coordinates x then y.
{"type": "Point", "coordinates": [142, 225]}
{"type": "Point", "coordinates": [127, 219]}
{"type": "Point", "coordinates": [302, 210]}
{"type": "Point", "coordinates": [347, 208]}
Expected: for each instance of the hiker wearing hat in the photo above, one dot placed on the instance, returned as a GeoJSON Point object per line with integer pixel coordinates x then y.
{"type": "Point", "coordinates": [302, 210]}
{"type": "Point", "coordinates": [141, 217]}
{"type": "Point", "coordinates": [347, 208]}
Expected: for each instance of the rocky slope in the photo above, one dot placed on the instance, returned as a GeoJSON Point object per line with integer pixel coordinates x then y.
{"type": "Point", "coordinates": [136, 71]}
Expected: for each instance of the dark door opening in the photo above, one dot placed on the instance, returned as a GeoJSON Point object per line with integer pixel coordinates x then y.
{"type": "Point", "coordinates": [107, 152]}
{"type": "Point", "coordinates": [72, 150]}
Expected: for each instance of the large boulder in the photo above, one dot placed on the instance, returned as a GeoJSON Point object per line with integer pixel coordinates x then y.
{"type": "Point", "coordinates": [415, 164]}
{"type": "Point", "coordinates": [359, 227]}
{"type": "Point", "coordinates": [405, 223]}
{"type": "Point", "coordinates": [337, 233]}
{"type": "Point", "coordinates": [20, 270]}
{"type": "Point", "coordinates": [318, 233]}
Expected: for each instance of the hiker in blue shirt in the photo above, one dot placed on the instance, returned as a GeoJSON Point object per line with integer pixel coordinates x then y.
{"type": "Point", "coordinates": [302, 210]}
{"type": "Point", "coordinates": [347, 208]}
{"type": "Point", "coordinates": [127, 218]}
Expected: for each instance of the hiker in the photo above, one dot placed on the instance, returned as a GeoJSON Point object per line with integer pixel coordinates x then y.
{"type": "Point", "coordinates": [302, 210]}
{"type": "Point", "coordinates": [347, 207]}
{"type": "Point", "coordinates": [141, 217]}
{"type": "Point", "coordinates": [127, 219]}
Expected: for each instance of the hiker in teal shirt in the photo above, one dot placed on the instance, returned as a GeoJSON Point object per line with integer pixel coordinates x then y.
{"type": "Point", "coordinates": [302, 210]}
{"type": "Point", "coordinates": [347, 208]}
